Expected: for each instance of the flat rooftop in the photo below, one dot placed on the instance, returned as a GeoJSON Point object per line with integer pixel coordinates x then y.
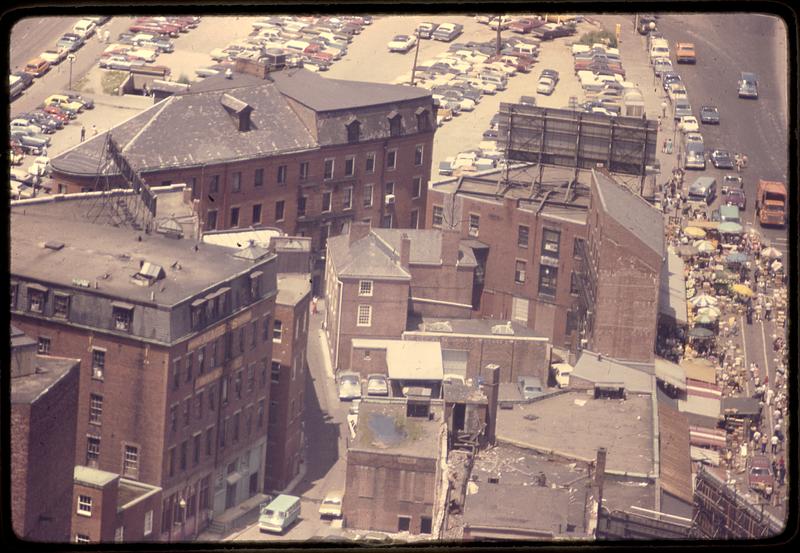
{"type": "Point", "coordinates": [292, 287]}
{"type": "Point", "coordinates": [473, 327]}
{"type": "Point", "coordinates": [110, 256]}
{"type": "Point", "coordinates": [384, 428]}
{"type": "Point", "coordinates": [575, 425]}
{"type": "Point", "coordinates": [49, 370]}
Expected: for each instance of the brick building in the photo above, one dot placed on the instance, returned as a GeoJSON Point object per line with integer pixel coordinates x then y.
{"type": "Point", "coordinates": [394, 480]}
{"type": "Point", "coordinates": [288, 376]}
{"type": "Point", "coordinates": [541, 276]}
{"type": "Point", "coordinates": [376, 277]}
{"type": "Point", "coordinates": [107, 508]}
{"type": "Point", "coordinates": [175, 343]}
{"type": "Point", "coordinates": [44, 410]}
{"type": "Point", "coordinates": [524, 234]}
{"type": "Point", "coordinates": [288, 149]}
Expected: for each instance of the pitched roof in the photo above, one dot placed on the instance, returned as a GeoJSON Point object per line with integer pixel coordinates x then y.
{"type": "Point", "coordinates": [602, 370]}
{"type": "Point", "coordinates": [676, 465]}
{"type": "Point", "coordinates": [426, 245]}
{"type": "Point", "coordinates": [365, 258]}
{"type": "Point", "coordinates": [631, 211]}
{"type": "Point", "coordinates": [323, 94]}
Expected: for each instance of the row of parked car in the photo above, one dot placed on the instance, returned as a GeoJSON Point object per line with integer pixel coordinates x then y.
{"type": "Point", "coordinates": [144, 41]}
{"type": "Point", "coordinates": [313, 42]}
{"type": "Point", "coordinates": [541, 27]}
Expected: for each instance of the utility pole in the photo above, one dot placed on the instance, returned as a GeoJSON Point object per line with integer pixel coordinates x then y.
{"type": "Point", "coordinates": [416, 53]}
{"type": "Point", "coordinates": [499, 42]}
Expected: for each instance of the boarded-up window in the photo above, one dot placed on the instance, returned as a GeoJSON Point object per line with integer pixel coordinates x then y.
{"type": "Point", "coordinates": [420, 485]}
{"type": "Point", "coordinates": [519, 309]}
{"type": "Point", "coordinates": [366, 481]}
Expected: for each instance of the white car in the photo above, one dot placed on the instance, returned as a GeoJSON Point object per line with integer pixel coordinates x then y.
{"type": "Point", "coordinates": [331, 506]}
{"type": "Point", "coordinates": [503, 21]}
{"type": "Point", "coordinates": [84, 28]}
{"type": "Point", "coordinates": [402, 43]}
{"type": "Point", "coordinates": [349, 385]}
{"type": "Point", "coordinates": [40, 166]}
{"type": "Point", "coordinates": [546, 85]}
{"type": "Point", "coordinates": [377, 385]}
{"type": "Point", "coordinates": [54, 56]}
{"type": "Point", "coordinates": [561, 373]}
{"type": "Point", "coordinates": [694, 137]}
{"type": "Point", "coordinates": [689, 124]}
{"type": "Point", "coordinates": [142, 54]}
{"type": "Point", "coordinates": [119, 63]}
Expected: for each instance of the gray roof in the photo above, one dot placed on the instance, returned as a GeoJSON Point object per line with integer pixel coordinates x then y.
{"type": "Point", "coordinates": [110, 255]}
{"type": "Point", "coordinates": [476, 327]}
{"type": "Point", "coordinates": [292, 287]}
{"type": "Point", "coordinates": [323, 94]}
{"type": "Point", "coordinates": [672, 290]}
{"type": "Point", "coordinates": [631, 211]}
{"type": "Point", "coordinates": [49, 370]}
{"type": "Point", "coordinates": [426, 245]}
{"type": "Point", "coordinates": [367, 257]}
{"type": "Point", "coordinates": [522, 507]}
{"type": "Point", "coordinates": [602, 370]}
{"type": "Point", "coordinates": [384, 428]}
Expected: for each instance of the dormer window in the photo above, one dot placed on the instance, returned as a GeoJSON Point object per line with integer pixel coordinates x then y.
{"type": "Point", "coordinates": [255, 285]}
{"type": "Point", "coordinates": [123, 316]}
{"type": "Point", "coordinates": [37, 295]}
{"type": "Point", "coordinates": [395, 123]}
{"type": "Point", "coordinates": [198, 314]}
{"type": "Point", "coordinates": [353, 131]}
{"type": "Point", "coordinates": [61, 305]}
{"type": "Point", "coordinates": [423, 120]}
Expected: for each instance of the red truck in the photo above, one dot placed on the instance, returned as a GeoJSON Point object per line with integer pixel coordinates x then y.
{"type": "Point", "coordinates": [771, 203]}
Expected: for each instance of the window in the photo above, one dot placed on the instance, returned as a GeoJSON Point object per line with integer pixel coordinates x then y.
{"type": "Point", "coordinates": [326, 202]}
{"type": "Point", "coordinates": [403, 523]}
{"type": "Point", "coordinates": [237, 385]}
{"type": "Point", "coordinates": [95, 408]}
{"type": "Point", "coordinates": [275, 373]}
{"type": "Point", "coordinates": [279, 205]}
{"type": "Point", "coordinates": [130, 462]}
{"type": "Point", "coordinates": [368, 195]}
{"type": "Point", "coordinates": [522, 236]}
{"type": "Point", "coordinates": [550, 242]}
{"type": "Point", "coordinates": [196, 449]}
{"type": "Point", "coordinates": [391, 159]}
{"type": "Point", "coordinates": [92, 450]}
{"type": "Point", "coordinates": [123, 318]}
{"type": "Point", "coordinates": [416, 187]}
{"type": "Point", "coordinates": [572, 322]}
{"type": "Point", "coordinates": [328, 171]}
{"type": "Point", "coordinates": [577, 247]}
{"type": "Point", "coordinates": [205, 488]}
{"type": "Point", "coordinates": [347, 200]}
{"type": "Point", "coordinates": [171, 462]}
{"type": "Point", "coordinates": [519, 309]}
{"type": "Point", "coordinates": [201, 363]}
{"type": "Point", "coordinates": [353, 132]}
{"type": "Point", "coordinates": [395, 125]}
{"type": "Point", "coordinates": [386, 221]}
{"type": "Point", "coordinates": [43, 346]}
{"type": "Point", "coordinates": [14, 293]}
{"type": "Point", "coordinates": [349, 166]}
{"type": "Point", "coordinates": [281, 176]}
{"type": "Point", "coordinates": [258, 178]}
{"type": "Point", "coordinates": [81, 538]}
{"type": "Point", "coordinates": [98, 363]}
{"type": "Point", "coordinates": [173, 417]}
{"type": "Point", "coordinates": [364, 287]}
{"type": "Point", "coordinates": [148, 523]}
{"type": "Point", "coordinates": [265, 329]}
{"type": "Point", "coordinates": [419, 153]}
{"type": "Point", "coordinates": [211, 220]}
{"type": "Point", "coordinates": [303, 170]}
{"type": "Point", "coordinates": [263, 373]}
{"type": "Point", "coordinates": [519, 272]}
{"type": "Point", "coordinates": [301, 206]}
{"type": "Point", "coordinates": [119, 534]}
{"type": "Point", "coordinates": [84, 505]}
{"type": "Point", "coordinates": [222, 429]}
{"type": "Point", "coordinates": [390, 188]}
{"type": "Point", "coordinates": [474, 224]}
{"type": "Point", "coordinates": [212, 397]}
{"type": "Point", "coordinates": [236, 417]}
{"type": "Point", "coordinates": [414, 223]}
{"type": "Point", "coordinates": [438, 216]}
{"type": "Point", "coordinates": [36, 299]}
{"type": "Point", "coordinates": [277, 331]}
{"type": "Point", "coordinates": [548, 277]}
{"type": "Point", "coordinates": [234, 216]}
{"type": "Point", "coordinates": [184, 452]}
{"type": "Point", "coordinates": [574, 283]}
{"type": "Point", "coordinates": [209, 440]}
{"type": "Point", "coordinates": [199, 403]}
{"type": "Point", "coordinates": [364, 315]}
{"type": "Point", "coordinates": [423, 121]}
{"type": "Point", "coordinates": [370, 163]}
{"type": "Point", "coordinates": [236, 182]}
{"type": "Point", "coordinates": [61, 305]}
{"type": "Point", "coordinates": [256, 214]}
{"type": "Point", "coordinates": [213, 186]}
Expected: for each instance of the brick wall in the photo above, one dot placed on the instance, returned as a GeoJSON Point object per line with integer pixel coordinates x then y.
{"type": "Point", "coordinates": [376, 363]}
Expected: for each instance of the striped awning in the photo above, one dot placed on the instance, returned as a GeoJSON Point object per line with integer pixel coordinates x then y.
{"type": "Point", "coordinates": [706, 437]}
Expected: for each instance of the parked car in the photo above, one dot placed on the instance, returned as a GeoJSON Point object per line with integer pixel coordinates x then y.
{"type": "Point", "coordinates": [377, 385]}
{"type": "Point", "coordinates": [709, 115]}
{"type": "Point", "coordinates": [70, 41]}
{"type": "Point", "coordinates": [669, 77]}
{"type": "Point", "coordinates": [37, 67]}
{"type": "Point", "coordinates": [54, 56]}
{"type": "Point", "coordinates": [529, 387]}
{"type": "Point", "coordinates": [722, 159]}
{"type": "Point", "coordinates": [524, 25]}
{"type": "Point", "coordinates": [402, 43]}
{"type": "Point", "coordinates": [661, 66]}
{"type": "Point", "coordinates": [527, 100]}
{"type": "Point", "coordinates": [84, 28]}
{"type": "Point", "coordinates": [88, 103]}
{"type": "Point", "coordinates": [448, 32]}
{"type": "Point", "coordinates": [425, 30]}
{"type": "Point", "coordinates": [34, 142]}
{"type": "Point", "coordinates": [26, 78]}
{"type": "Point", "coordinates": [502, 21]}
{"type": "Point", "coordinates": [561, 373]}
{"type": "Point", "coordinates": [682, 108]}
{"type": "Point", "coordinates": [21, 124]}
{"type": "Point", "coordinates": [688, 124]}
{"type": "Point", "coordinates": [759, 474]}
{"type": "Point", "coordinates": [331, 506]}
{"type": "Point", "coordinates": [62, 113]}
{"type": "Point", "coordinates": [116, 62]}
{"type": "Point", "coordinates": [349, 386]}
{"type": "Point", "coordinates": [550, 31]}
{"type": "Point", "coordinates": [546, 85]}
{"type": "Point", "coordinates": [748, 85]}
{"type": "Point", "coordinates": [734, 196]}
{"type": "Point", "coordinates": [733, 181]}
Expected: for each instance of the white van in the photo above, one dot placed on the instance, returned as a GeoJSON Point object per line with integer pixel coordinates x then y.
{"type": "Point", "coordinates": [84, 28]}
{"type": "Point", "coordinates": [531, 50]}
{"type": "Point", "coordinates": [659, 49]}
{"type": "Point", "coordinates": [297, 45]}
{"type": "Point", "coordinates": [561, 373]}
{"type": "Point", "coordinates": [279, 514]}
{"type": "Point", "coordinates": [499, 81]}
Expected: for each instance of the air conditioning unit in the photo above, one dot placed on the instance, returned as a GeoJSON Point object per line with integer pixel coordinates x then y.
{"type": "Point", "coordinates": [98, 373]}
{"type": "Point", "coordinates": [389, 199]}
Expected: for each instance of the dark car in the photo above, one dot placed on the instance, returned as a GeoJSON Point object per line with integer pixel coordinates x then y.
{"type": "Point", "coordinates": [644, 23]}
{"type": "Point", "coordinates": [759, 475]}
{"type": "Point", "coordinates": [549, 33]}
{"type": "Point", "coordinates": [669, 77]}
{"type": "Point", "coordinates": [722, 159]}
{"type": "Point", "coordinates": [490, 134]}
{"type": "Point", "coordinates": [734, 196]}
{"type": "Point", "coordinates": [88, 103]}
{"type": "Point", "coordinates": [709, 115]}
{"type": "Point", "coordinates": [48, 124]}
{"type": "Point", "coordinates": [527, 100]}
{"type": "Point", "coordinates": [552, 73]}
{"type": "Point", "coordinates": [27, 78]}
{"type": "Point", "coordinates": [525, 25]}
{"type": "Point", "coordinates": [70, 41]}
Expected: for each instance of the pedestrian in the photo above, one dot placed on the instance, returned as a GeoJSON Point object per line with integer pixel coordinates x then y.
{"type": "Point", "coordinates": [774, 441]}
{"type": "Point", "coordinates": [663, 109]}
{"type": "Point", "coordinates": [774, 468]}
{"type": "Point", "coordinates": [756, 438]}
{"type": "Point", "coordinates": [768, 311]}
{"type": "Point", "coordinates": [314, 305]}
{"type": "Point", "coordinates": [664, 147]}
{"type": "Point", "coordinates": [83, 133]}
{"type": "Point", "coordinates": [781, 472]}
{"type": "Point", "coordinates": [94, 129]}
{"type": "Point", "coordinates": [764, 442]}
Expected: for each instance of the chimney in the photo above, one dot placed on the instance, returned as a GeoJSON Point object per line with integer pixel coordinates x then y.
{"type": "Point", "coordinates": [450, 241]}
{"type": "Point", "coordinates": [405, 251]}
{"type": "Point", "coordinates": [599, 476]}
{"type": "Point", "coordinates": [494, 389]}
{"type": "Point", "coordinates": [358, 230]}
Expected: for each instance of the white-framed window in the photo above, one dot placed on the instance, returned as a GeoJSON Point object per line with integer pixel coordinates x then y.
{"type": "Point", "coordinates": [119, 534]}
{"type": "Point", "coordinates": [368, 188]}
{"type": "Point", "coordinates": [364, 315]}
{"type": "Point", "coordinates": [303, 170]}
{"type": "Point", "coordinates": [122, 318]}
{"type": "Point", "coordinates": [82, 538]}
{"type": "Point", "coordinates": [416, 187]}
{"type": "Point", "coordinates": [148, 523]}
{"type": "Point", "coordinates": [520, 271]}
{"type": "Point", "coordinates": [326, 202]}
{"type": "Point", "coordinates": [277, 331]}
{"type": "Point", "coordinates": [414, 223]}
{"type": "Point", "coordinates": [438, 216]}
{"type": "Point", "coordinates": [419, 154]}
{"type": "Point", "coordinates": [95, 408]}
{"type": "Point", "coordinates": [391, 159]}
{"type": "Point", "coordinates": [349, 166]}
{"type": "Point", "coordinates": [282, 172]}
{"type": "Point", "coordinates": [347, 200]}
{"type": "Point", "coordinates": [280, 207]}
{"type": "Point", "coordinates": [236, 182]}
{"type": "Point", "coordinates": [364, 287]}
{"type": "Point", "coordinates": [328, 171]}
{"type": "Point", "coordinates": [85, 505]}
{"type": "Point", "coordinates": [474, 224]}
{"type": "Point", "coordinates": [98, 363]}
{"type": "Point", "coordinates": [130, 462]}
{"type": "Point", "coordinates": [369, 167]}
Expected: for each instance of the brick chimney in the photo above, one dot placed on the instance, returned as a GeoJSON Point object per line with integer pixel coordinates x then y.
{"type": "Point", "coordinates": [450, 241]}
{"type": "Point", "coordinates": [358, 230]}
{"type": "Point", "coordinates": [493, 386]}
{"type": "Point", "coordinates": [599, 476]}
{"type": "Point", "coordinates": [405, 251]}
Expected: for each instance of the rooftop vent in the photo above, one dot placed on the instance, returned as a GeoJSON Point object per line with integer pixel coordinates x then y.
{"type": "Point", "coordinates": [148, 274]}
{"type": "Point", "coordinates": [439, 326]}
{"type": "Point", "coordinates": [53, 245]}
{"type": "Point", "coordinates": [171, 228]}
{"type": "Point", "coordinates": [240, 109]}
{"type": "Point", "coordinates": [505, 329]}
